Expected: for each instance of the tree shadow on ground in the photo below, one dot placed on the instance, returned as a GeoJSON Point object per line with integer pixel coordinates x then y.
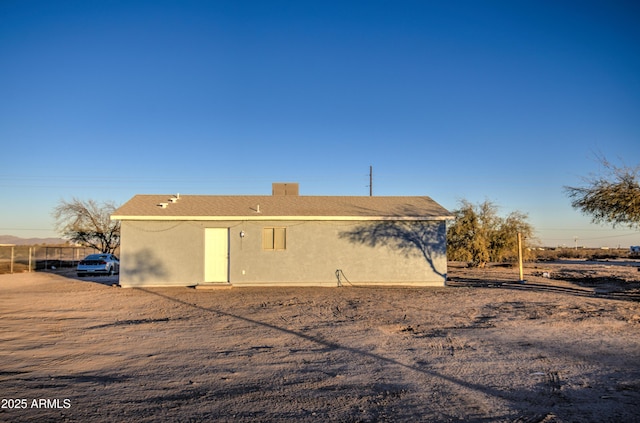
{"type": "Point", "coordinates": [331, 345]}
{"type": "Point", "coordinates": [71, 273]}
{"type": "Point", "coordinates": [579, 290]}
{"type": "Point", "coordinates": [527, 403]}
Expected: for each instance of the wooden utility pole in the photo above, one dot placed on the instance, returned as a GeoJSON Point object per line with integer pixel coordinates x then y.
{"type": "Point", "coordinates": [370, 181]}
{"type": "Point", "coordinates": [520, 256]}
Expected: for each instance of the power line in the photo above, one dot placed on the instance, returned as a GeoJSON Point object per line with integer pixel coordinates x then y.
{"type": "Point", "coordinates": [590, 239]}
{"type": "Point", "coordinates": [582, 230]}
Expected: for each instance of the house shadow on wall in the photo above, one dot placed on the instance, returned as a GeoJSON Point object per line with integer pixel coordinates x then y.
{"type": "Point", "coordinates": [410, 237]}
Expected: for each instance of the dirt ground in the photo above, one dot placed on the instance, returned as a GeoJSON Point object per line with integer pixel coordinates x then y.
{"type": "Point", "coordinates": [562, 347]}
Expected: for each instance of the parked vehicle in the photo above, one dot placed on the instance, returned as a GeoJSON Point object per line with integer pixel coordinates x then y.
{"type": "Point", "coordinates": [99, 264]}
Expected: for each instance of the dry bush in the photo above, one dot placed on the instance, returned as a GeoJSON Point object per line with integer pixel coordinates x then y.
{"type": "Point", "coordinates": [553, 254]}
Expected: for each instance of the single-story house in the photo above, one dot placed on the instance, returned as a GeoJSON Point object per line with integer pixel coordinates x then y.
{"type": "Point", "coordinates": [283, 239]}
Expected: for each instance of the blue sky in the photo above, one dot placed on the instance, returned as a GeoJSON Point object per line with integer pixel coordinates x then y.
{"type": "Point", "coordinates": [506, 101]}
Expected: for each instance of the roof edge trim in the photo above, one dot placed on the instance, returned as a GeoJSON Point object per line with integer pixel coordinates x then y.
{"type": "Point", "coordinates": [294, 218]}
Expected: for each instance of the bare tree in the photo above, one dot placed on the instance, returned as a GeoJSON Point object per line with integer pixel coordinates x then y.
{"type": "Point", "coordinates": [88, 223]}
{"type": "Point", "coordinates": [612, 198]}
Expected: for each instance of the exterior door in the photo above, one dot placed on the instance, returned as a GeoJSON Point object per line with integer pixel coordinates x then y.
{"type": "Point", "coordinates": [216, 255]}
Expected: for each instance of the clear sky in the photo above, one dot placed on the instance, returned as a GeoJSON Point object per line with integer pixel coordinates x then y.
{"type": "Point", "coordinates": [506, 101]}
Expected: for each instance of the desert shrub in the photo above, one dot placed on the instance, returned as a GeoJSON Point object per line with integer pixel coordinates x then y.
{"type": "Point", "coordinates": [553, 254]}
{"type": "Point", "coordinates": [479, 235]}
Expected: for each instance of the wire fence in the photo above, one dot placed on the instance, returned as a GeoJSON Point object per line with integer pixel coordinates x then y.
{"type": "Point", "coordinates": [26, 258]}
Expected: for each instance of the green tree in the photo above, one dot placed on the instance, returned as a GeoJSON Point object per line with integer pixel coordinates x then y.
{"type": "Point", "coordinates": [88, 223]}
{"type": "Point", "coordinates": [612, 198]}
{"type": "Point", "coordinates": [504, 246]}
{"type": "Point", "coordinates": [479, 235]}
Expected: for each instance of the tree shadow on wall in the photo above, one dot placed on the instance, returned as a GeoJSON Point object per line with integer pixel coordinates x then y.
{"type": "Point", "coordinates": [143, 265]}
{"type": "Point", "coordinates": [425, 238]}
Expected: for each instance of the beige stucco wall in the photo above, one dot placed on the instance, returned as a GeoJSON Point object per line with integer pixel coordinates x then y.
{"type": "Point", "coordinates": [156, 253]}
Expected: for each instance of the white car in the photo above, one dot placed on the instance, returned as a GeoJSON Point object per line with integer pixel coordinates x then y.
{"type": "Point", "coordinates": [99, 264]}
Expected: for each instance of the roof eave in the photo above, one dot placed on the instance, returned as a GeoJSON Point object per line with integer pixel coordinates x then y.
{"type": "Point", "coordinates": [281, 218]}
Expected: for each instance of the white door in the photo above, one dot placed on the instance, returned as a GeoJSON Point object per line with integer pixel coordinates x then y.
{"type": "Point", "coordinates": [216, 255]}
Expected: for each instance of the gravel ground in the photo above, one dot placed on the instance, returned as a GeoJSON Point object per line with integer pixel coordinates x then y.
{"type": "Point", "coordinates": [562, 347]}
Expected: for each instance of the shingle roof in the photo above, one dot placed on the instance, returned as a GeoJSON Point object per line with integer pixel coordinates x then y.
{"type": "Point", "coordinates": [279, 207]}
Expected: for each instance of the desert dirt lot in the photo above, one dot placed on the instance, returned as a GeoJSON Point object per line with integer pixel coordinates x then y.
{"type": "Point", "coordinates": [484, 348]}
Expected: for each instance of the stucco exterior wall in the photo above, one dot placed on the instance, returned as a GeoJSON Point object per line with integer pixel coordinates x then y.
{"type": "Point", "coordinates": [171, 253]}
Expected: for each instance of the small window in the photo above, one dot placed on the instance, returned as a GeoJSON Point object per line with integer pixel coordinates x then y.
{"type": "Point", "coordinates": [274, 239]}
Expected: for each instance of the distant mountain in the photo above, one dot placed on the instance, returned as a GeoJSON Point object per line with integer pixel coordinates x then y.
{"type": "Point", "coordinates": [10, 239]}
